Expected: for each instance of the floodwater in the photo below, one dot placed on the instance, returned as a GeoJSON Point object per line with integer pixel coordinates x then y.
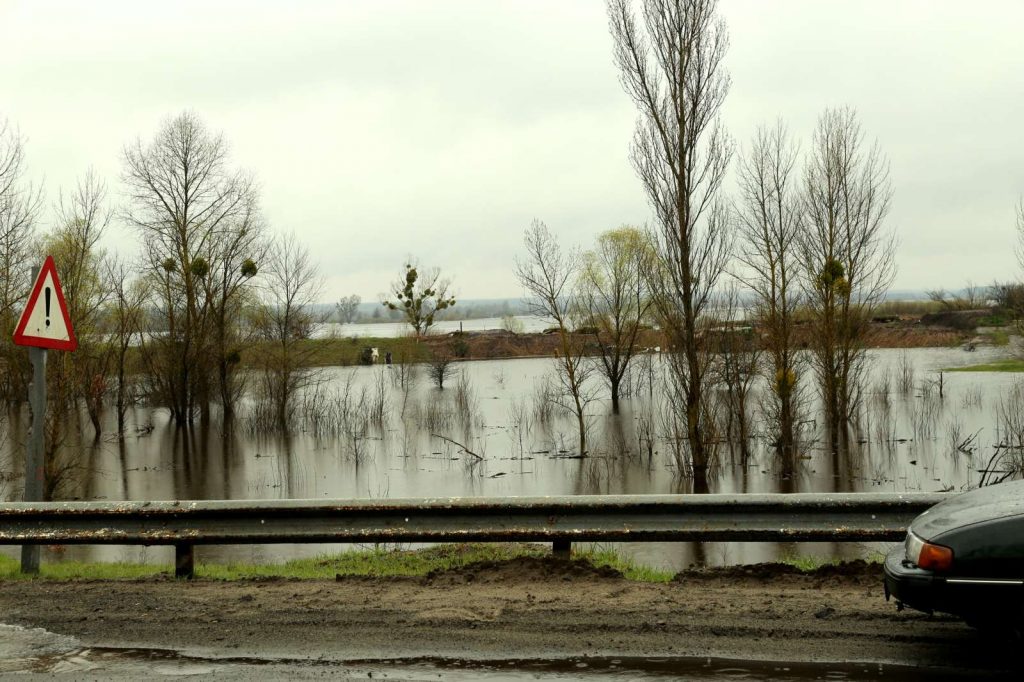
{"type": "Point", "coordinates": [387, 432]}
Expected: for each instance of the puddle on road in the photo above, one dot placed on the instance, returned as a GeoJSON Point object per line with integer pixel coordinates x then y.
{"type": "Point", "coordinates": [34, 650]}
{"type": "Point", "coordinates": [696, 669]}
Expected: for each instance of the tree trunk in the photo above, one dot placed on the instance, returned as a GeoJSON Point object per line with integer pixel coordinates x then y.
{"type": "Point", "coordinates": [94, 419]}
{"type": "Point", "coordinates": [120, 398]}
{"type": "Point", "coordinates": [582, 423]}
{"type": "Point", "coordinates": [741, 414]}
{"type": "Point", "coordinates": [226, 398]}
{"type": "Point", "coordinates": [694, 403]}
{"type": "Point", "coordinates": [787, 438]}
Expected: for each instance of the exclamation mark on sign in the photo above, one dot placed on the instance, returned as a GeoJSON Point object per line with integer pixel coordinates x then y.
{"type": "Point", "coordinates": [47, 294]}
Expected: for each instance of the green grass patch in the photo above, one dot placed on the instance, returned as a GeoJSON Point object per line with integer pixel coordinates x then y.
{"type": "Point", "coordinates": [374, 562]}
{"type": "Point", "coordinates": [1011, 365]}
{"type": "Point", "coordinates": [808, 564]}
{"type": "Point", "coordinates": [332, 352]}
{"type": "Point", "coordinates": [329, 352]}
{"type": "Point", "coordinates": [999, 338]}
{"type": "Point", "coordinates": [994, 321]}
{"type": "Point", "coordinates": [908, 307]}
{"type": "Point", "coordinates": [602, 556]}
{"type": "Point", "coordinates": [380, 562]}
{"type": "Point", "coordinates": [10, 569]}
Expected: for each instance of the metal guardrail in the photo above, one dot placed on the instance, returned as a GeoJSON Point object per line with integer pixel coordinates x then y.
{"type": "Point", "coordinates": [801, 517]}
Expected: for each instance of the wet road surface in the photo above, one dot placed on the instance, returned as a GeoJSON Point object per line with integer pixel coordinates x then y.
{"type": "Point", "coordinates": [517, 620]}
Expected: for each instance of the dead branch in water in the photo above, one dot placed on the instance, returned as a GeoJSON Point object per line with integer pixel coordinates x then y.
{"type": "Point", "coordinates": [455, 442]}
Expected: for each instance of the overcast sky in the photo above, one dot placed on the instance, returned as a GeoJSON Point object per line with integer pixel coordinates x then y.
{"type": "Point", "coordinates": [442, 129]}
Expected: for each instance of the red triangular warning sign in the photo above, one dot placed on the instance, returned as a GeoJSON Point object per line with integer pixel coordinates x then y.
{"type": "Point", "coordinates": [45, 322]}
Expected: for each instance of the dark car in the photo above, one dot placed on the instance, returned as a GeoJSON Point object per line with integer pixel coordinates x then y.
{"type": "Point", "coordinates": [965, 556]}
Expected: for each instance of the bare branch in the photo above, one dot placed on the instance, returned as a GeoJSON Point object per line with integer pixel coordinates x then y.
{"type": "Point", "coordinates": [847, 254]}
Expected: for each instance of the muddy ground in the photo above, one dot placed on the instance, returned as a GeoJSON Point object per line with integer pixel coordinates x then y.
{"type": "Point", "coordinates": [522, 609]}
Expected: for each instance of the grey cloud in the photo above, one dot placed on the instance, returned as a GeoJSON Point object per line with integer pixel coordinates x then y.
{"type": "Point", "coordinates": [442, 128]}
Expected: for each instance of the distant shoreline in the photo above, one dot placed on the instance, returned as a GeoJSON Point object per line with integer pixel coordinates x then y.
{"type": "Point", "coordinates": [498, 344]}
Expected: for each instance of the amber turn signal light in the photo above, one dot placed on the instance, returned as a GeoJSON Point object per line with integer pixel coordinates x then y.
{"type": "Point", "coordinates": [935, 557]}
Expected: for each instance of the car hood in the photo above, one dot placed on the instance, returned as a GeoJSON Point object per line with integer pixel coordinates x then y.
{"type": "Point", "coordinates": [975, 506]}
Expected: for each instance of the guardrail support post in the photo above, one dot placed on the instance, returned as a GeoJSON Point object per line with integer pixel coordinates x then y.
{"type": "Point", "coordinates": [561, 549]}
{"type": "Point", "coordinates": [184, 561]}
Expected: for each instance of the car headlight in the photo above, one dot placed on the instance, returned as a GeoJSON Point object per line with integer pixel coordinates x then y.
{"type": "Point", "coordinates": [926, 555]}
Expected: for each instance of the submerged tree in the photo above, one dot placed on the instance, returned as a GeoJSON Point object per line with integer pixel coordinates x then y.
{"type": "Point", "coordinates": [229, 294]}
{"type": "Point", "coordinates": [736, 355]}
{"type": "Point", "coordinates": [420, 296]}
{"type": "Point", "coordinates": [124, 324]}
{"type": "Point", "coordinates": [78, 378]}
{"type": "Point", "coordinates": [670, 60]}
{"type": "Point", "coordinates": [616, 300]}
{"type": "Point", "coordinates": [20, 203]}
{"type": "Point", "coordinates": [202, 235]}
{"type": "Point", "coordinates": [82, 218]}
{"type": "Point", "coordinates": [286, 322]}
{"type": "Point", "coordinates": [769, 216]}
{"type": "Point", "coordinates": [348, 308]}
{"type": "Point", "coordinates": [847, 255]}
{"type": "Point", "coordinates": [549, 276]}
{"type": "Point", "coordinates": [1020, 232]}
{"type": "Point", "coordinates": [441, 365]}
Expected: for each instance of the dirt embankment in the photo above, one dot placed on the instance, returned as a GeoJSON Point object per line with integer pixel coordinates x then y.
{"type": "Point", "coordinates": [492, 344]}
{"type": "Point", "coordinates": [524, 608]}
{"type": "Point", "coordinates": [914, 334]}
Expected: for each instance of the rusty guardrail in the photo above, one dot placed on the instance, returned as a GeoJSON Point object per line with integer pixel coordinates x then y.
{"type": "Point", "coordinates": [800, 517]}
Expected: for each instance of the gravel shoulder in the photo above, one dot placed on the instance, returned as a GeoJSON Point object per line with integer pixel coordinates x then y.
{"type": "Point", "coordinates": [523, 608]}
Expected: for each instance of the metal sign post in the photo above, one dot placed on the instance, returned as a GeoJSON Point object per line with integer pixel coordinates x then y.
{"type": "Point", "coordinates": [42, 325]}
{"type": "Point", "coordinates": [35, 464]}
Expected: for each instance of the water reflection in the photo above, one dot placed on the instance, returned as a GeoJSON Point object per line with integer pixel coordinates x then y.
{"type": "Point", "coordinates": [370, 433]}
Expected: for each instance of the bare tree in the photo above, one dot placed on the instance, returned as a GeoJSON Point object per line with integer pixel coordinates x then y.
{"type": "Point", "coordinates": [199, 222]}
{"type": "Point", "coordinates": [78, 378]}
{"type": "Point", "coordinates": [419, 294]}
{"type": "Point", "coordinates": [441, 366]}
{"type": "Point", "coordinates": [548, 274]}
{"type": "Point", "coordinates": [348, 308]}
{"type": "Point", "coordinates": [1011, 295]}
{"type": "Point", "coordinates": [124, 324]}
{"type": "Point", "coordinates": [847, 254]}
{"type": "Point", "coordinates": [735, 359]}
{"type": "Point", "coordinates": [83, 217]}
{"type": "Point", "coordinates": [769, 217]}
{"type": "Point", "coordinates": [670, 62]}
{"type": "Point", "coordinates": [20, 203]}
{"type": "Point", "coordinates": [971, 297]}
{"type": "Point", "coordinates": [12, 158]}
{"type": "Point", "coordinates": [228, 295]}
{"type": "Point", "coordinates": [1008, 297]}
{"type": "Point", "coordinates": [616, 300]}
{"type": "Point", "coordinates": [941, 297]}
{"type": "Point", "coordinates": [1020, 231]}
{"type": "Point", "coordinates": [292, 285]}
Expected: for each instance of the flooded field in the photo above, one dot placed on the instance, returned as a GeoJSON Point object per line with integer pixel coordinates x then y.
{"type": "Point", "coordinates": [388, 432]}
